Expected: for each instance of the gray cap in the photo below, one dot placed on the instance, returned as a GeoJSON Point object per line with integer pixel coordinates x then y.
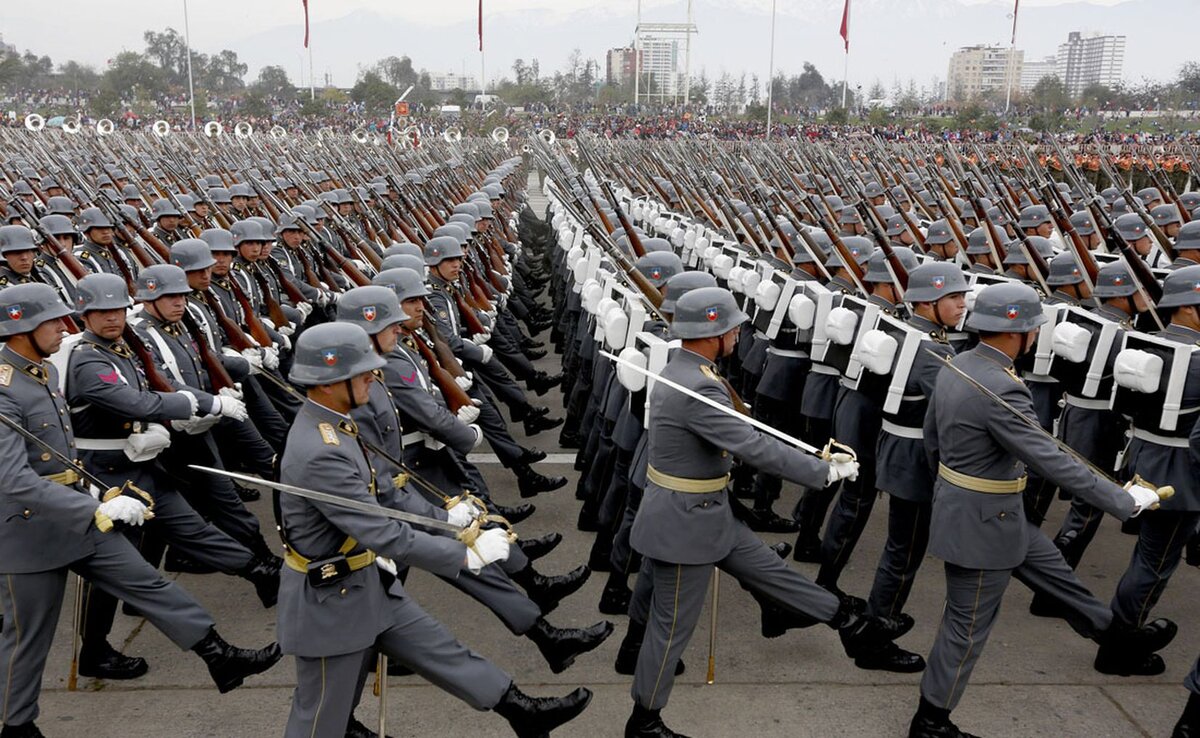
{"type": "Point", "coordinates": [93, 218]}
{"type": "Point", "coordinates": [163, 207]}
{"type": "Point", "coordinates": [240, 190]}
{"type": "Point", "coordinates": [440, 248]}
{"type": "Point", "coordinates": [681, 284]}
{"type": "Point", "coordinates": [60, 205]}
{"type": "Point", "coordinates": [218, 239]}
{"type": "Point", "coordinates": [333, 352]}
{"type": "Point", "coordinates": [849, 216]}
{"type": "Point", "coordinates": [933, 280]}
{"type": "Point", "coordinates": [1034, 216]}
{"type": "Point", "coordinates": [372, 308]}
{"type": "Point", "coordinates": [706, 312]}
{"type": "Point", "coordinates": [877, 269]}
{"type": "Point", "coordinates": [1007, 308]}
{"type": "Point", "coordinates": [659, 266]}
{"type": "Point", "coordinates": [1113, 280]}
{"type": "Point", "coordinates": [23, 307]}
{"type": "Point", "coordinates": [1016, 255]}
{"type": "Point", "coordinates": [406, 283]}
{"type": "Point", "coordinates": [161, 280]}
{"type": "Point", "coordinates": [873, 189]}
{"type": "Point", "coordinates": [1131, 227]}
{"type": "Point", "coordinates": [192, 254]}
{"type": "Point", "coordinates": [1064, 270]}
{"type": "Point", "coordinates": [247, 230]}
{"type": "Point", "coordinates": [101, 291]}
{"type": "Point", "coordinates": [1181, 288]}
{"type": "Point", "coordinates": [16, 238]}
{"type": "Point", "coordinates": [468, 208]}
{"type": "Point", "coordinates": [860, 248]}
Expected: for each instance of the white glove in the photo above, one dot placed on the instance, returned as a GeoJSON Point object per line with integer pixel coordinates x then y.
{"type": "Point", "coordinates": [467, 414]}
{"type": "Point", "coordinates": [481, 338]}
{"type": "Point", "coordinates": [191, 399]}
{"type": "Point", "coordinates": [268, 322]}
{"type": "Point", "coordinates": [286, 331]}
{"type": "Point", "coordinates": [1144, 499]}
{"type": "Point", "coordinates": [270, 357]}
{"type": "Point", "coordinates": [464, 382]}
{"type": "Point", "coordinates": [305, 309]}
{"type": "Point", "coordinates": [235, 391]}
{"type": "Point", "coordinates": [230, 407]}
{"type": "Point", "coordinates": [491, 546]}
{"type": "Point", "coordinates": [462, 514]}
{"type": "Point", "coordinates": [95, 492]}
{"type": "Point", "coordinates": [487, 353]}
{"type": "Point", "coordinates": [255, 357]}
{"type": "Point", "coordinates": [478, 435]}
{"type": "Point", "coordinates": [144, 446]}
{"type": "Point", "coordinates": [841, 466]}
{"type": "Point", "coordinates": [387, 565]}
{"type": "Point", "coordinates": [194, 426]}
{"type": "Point", "coordinates": [131, 512]}
{"type": "Point", "coordinates": [227, 351]}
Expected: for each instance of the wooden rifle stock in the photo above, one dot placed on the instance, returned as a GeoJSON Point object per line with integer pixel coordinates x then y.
{"type": "Point", "coordinates": [154, 377]}
{"type": "Point", "coordinates": [217, 374]}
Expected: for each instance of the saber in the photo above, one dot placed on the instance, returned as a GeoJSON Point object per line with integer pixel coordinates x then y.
{"type": "Point", "coordinates": [374, 510]}
{"type": "Point", "coordinates": [1163, 492]}
{"type": "Point", "coordinates": [790, 440]}
{"type": "Point", "coordinates": [712, 629]}
{"type": "Point", "coordinates": [58, 455]}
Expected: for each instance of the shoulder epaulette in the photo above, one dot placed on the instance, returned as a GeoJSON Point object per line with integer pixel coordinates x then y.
{"type": "Point", "coordinates": [329, 435]}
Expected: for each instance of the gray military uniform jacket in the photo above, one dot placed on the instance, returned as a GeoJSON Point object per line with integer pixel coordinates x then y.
{"type": "Point", "coordinates": [445, 315]}
{"type": "Point", "coordinates": [419, 401]}
{"type": "Point", "coordinates": [970, 434]}
{"type": "Point", "coordinates": [691, 440]}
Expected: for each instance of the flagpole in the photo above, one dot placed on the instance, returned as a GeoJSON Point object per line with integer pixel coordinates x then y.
{"type": "Point", "coordinates": [187, 42]}
{"type": "Point", "coordinates": [846, 39]}
{"type": "Point", "coordinates": [771, 72]}
{"type": "Point", "coordinates": [1012, 52]}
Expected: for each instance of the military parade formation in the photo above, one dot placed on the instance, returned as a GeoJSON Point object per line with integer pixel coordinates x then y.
{"type": "Point", "coordinates": [334, 324]}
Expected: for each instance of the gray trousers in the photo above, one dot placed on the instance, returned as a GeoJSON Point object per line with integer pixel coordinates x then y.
{"type": "Point", "coordinates": [973, 602]}
{"type": "Point", "coordinates": [31, 609]}
{"type": "Point", "coordinates": [903, 552]}
{"type": "Point", "coordinates": [1159, 549]}
{"type": "Point", "coordinates": [1192, 682]}
{"type": "Point", "coordinates": [327, 689]}
{"type": "Point", "coordinates": [494, 590]}
{"type": "Point", "coordinates": [678, 598]}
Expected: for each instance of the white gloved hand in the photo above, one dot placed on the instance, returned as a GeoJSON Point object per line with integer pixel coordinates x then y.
{"type": "Point", "coordinates": [1144, 498]}
{"type": "Point", "coordinates": [230, 407]}
{"type": "Point", "coordinates": [140, 447]}
{"type": "Point", "coordinates": [268, 322]}
{"type": "Point", "coordinates": [464, 382]}
{"type": "Point", "coordinates": [461, 514]}
{"type": "Point", "coordinates": [227, 351]}
{"type": "Point", "coordinates": [270, 357]}
{"type": "Point", "coordinates": [480, 339]}
{"type": "Point", "coordinates": [131, 512]}
{"type": "Point", "coordinates": [305, 309]}
{"type": "Point", "coordinates": [191, 399]}
{"type": "Point", "coordinates": [841, 466]}
{"type": "Point", "coordinates": [194, 426]}
{"type": "Point", "coordinates": [491, 546]}
{"type": "Point", "coordinates": [487, 353]}
{"type": "Point", "coordinates": [95, 492]}
{"type": "Point", "coordinates": [478, 436]}
{"type": "Point", "coordinates": [255, 357]}
{"type": "Point", "coordinates": [285, 343]}
{"type": "Point", "coordinates": [467, 414]}
{"type": "Point", "coordinates": [235, 391]}
{"type": "Point", "coordinates": [387, 565]}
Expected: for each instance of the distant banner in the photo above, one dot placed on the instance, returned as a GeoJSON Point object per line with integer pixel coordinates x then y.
{"type": "Point", "coordinates": [306, 22]}
{"type": "Point", "coordinates": [845, 25]}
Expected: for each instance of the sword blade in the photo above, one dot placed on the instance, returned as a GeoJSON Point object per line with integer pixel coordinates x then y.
{"type": "Point", "coordinates": [366, 508]}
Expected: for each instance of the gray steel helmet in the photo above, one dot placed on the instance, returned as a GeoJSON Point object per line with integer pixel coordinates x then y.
{"type": "Point", "coordinates": [998, 216]}
{"type": "Point", "coordinates": [933, 280]}
{"type": "Point", "coordinates": [219, 195]}
{"type": "Point", "coordinates": [457, 231]}
{"type": "Point", "coordinates": [1189, 200]}
{"type": "Point", "coordinates": [873, 189]}
{"type": "Point", "coordinates": [60, 205]}
{"type": "Point", "coordinates": [22, 188]}
{"type": "Point", "coordinates": [163, 207]}
{"type": "Point", "coordinates": [59, 225]}
{"type": "Point", "coordinates": [101, 291]}
{"type": "Point", "coordinates": [468, 208]}
{"type": "Point", "coordinates": [860, 248]}
{"type": "Point", "coordinates": [1131, 227]}
{"type": "Point", "coordinates": [187, 201]}
{"type": "Point", "coordinates": [16, 238]}
{"type": "Point", "coordinates": [1064, 270]}
{"type": "Point", "coordinates": [1188, 237]}
{"type": "Point", "coordinates": [1165, 215]}
{"type": "Point", "coordinates": [23, 307]}
{"type": "Point", "coordinates": [1181, 288]}
{"type": "Point", "coordinates": [192, 254]}
{"type": "Point", "coordinates": [654, 245]}
{"type": "Point", "coordinates": [486, 212]}
{"type": "Point", "coordinates": [977, 241]}
{"type": "Point", "coordinates": [240, 190]}
{"type": "Point", "coordinates": [1011, 307]}
{"type": "Point", "coordinates": [1016, 255]}
{"type": "Point", "coordinates": [406, 283]}
{"type": "Point", "coordinates": [218, 239]}
{"type": "Point", "coordinates": [849, 216]}
{"type": "Point", "coordinates": [939, 233]}
{"type": "Point", "coordinates": [130, 192]}
{"type": "Point", "coordinates": [877, 270]}
{"type": "Point", "coordinates": [465, 220]}
{"type": "Point", "coordinates": [128, 213]}
{"type": "Point", "coordinates": [93, 218]}
{"type": "Point", "coordinates": [885, 212]}
{"type": "Point", "coordinates": [1119, 207]}
{"type": "Point", "coordinates": [403, 261]}
{"type": "Point", "coordinates": [403, 248]}
{"type": "Point", "coordinates": [331, 353]}
{"type": "Point", "coordinates": [289, 222]}
{"type": "Point", "coordinates": [1148, 195]}
{"type": "Point", "coordinates": [1113, 280]}
{"type": "Point", "coordinates": [681, 284]}
{"type": "Point", "coordinates": [1082, 223]}
{"type": "Point", "coordinates": [659, 266]}
{"type": "Point", "coordinates": [1110, 194]}
{"type": "Point", "coordinates": [1034, 216]}
{"type": "Point", "coordinates": [161, 280]}
{"type": "Point", "coordinates": [440, 248]}
{"type": "Point", "coordinates": [265, 225]}
{"type": "Point", "coordinates": [247, 230]}
{"type": "Point", "coordinates": [372, 308]}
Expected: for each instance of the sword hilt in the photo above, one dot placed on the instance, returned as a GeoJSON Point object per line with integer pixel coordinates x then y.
{"type": "Point", "coordinates": [1164, 493]}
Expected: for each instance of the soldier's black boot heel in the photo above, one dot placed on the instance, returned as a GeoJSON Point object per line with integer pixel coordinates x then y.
{"type": "Point", "coordinates": [535, 717]}
{"type": "Point", "coordinates": [645, 723]}
{"type": "Point", "coordinates": [228, 665]}
{"type": "Point", "coordinates": [1189, 722]}
{"type": "Point", "coordinates": [934, 722]}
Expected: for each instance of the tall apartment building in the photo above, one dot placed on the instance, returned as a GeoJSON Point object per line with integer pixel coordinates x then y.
{"type": "Point", "coordinates": [659, 68]}
{"type": "Point", "coordinates": [451, 81]}
{"type": "Point", "coordinates": [976, 70]}
{"type": "Point", "coordinates": [1033, 72]}
{"type": "Point", "coordinates": [1090, 59]}
{"type": "Point", "coordinates": [619, 66]}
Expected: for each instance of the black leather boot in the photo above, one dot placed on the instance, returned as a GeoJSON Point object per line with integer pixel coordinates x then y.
{"type": "Point", "coordinates": [1129, 651]}
{"type": "Point", "coordinates": [535, 424]}
{"type": "Point", "coordinates": [102, 661]}
{"type": "Point", "coordinates": [536, 548]}
{"type": "Point", "coordinates": [515, 513]}
{"type": "Point", "coordinates": [355, 729]}
{"type": "Point", "coordinates": [896, 625]}
{"type": "Point", "coordinates": [228, 665]}
{"type": "Point", "coordinates": [934, 722]}
{"type": "Point", "coordinates": [541, 383]}
{"type": "Point", "coordinates": [1189, 722]}
{"type": "Point", "coordinates": [768, 521]}
{"type": "Point", "coordinates": [890, 657]}
{"type": "Point", "coordinates": [531, 456]}
{"type": "Point", "coordinates": [264, 575]}
{"type": "Point", "coordinates": [807, 549]}
{"type": "Point", "coordinates": [631, 644]}
{"type": "Point", "coordinates": [531, 483]}
{"type": "Point", "coordinates": [615, 598]}
{"type": "Point", "coordinates": [535, 717]}
{"type": "Point", "coordinates": [560, 646]}
{"type": "Point", "coordinates": [643, 723]}
{"type": "Point", "coordinates": [548, 591]}
{"type": "Point", "coordinates": [28, 730]}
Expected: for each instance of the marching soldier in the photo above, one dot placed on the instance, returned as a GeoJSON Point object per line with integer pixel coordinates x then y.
{"type": "Point", "coordinates": [24, 262]}
{"type": "Point", "coordinates": [166, 221]}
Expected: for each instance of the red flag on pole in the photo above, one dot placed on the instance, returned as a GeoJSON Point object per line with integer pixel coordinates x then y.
{"type": "Point", "coordinates": [845, 25]}
{"type": "Point", "coordinates": [481, 25]}
{"type": "Point", "coordinates": [305, 23]}
{"type": "Point", "coordinates": [1016, 6]}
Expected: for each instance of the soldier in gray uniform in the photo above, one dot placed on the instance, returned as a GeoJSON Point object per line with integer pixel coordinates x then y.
{"type": "Point", "coordinates": [54, 526]}
{"type": "Point", "coordinates": [1187, 245]}
{"type": "Point", "coordinates": [1165, 458]}
{"type": "Point", "coordinates": [684, 526]}
{"type": "Point", "coordinates": [978, 527]}
{"type": "Point", "coordinates": [166, 221]}
{"type": "Point", "coordinates": [340, 600]}
{"type": "Point", "coordinates": [98, 252]}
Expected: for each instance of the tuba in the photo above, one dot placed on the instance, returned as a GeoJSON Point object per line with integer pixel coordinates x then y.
{"type": "Point", "coordinates": [35, 122]}
{"type": "Point", "coordinates": [243, 130]}
{"type": "Point", "coordinates": [74, 126]}
{"type": "Point", "coordinates": [104, 127]}
{"type": "Point", "coordinates": [278, 132]}
{"type": "Point", "coordinates": [323, 133]}
{"type": "Point", "coordinates": [213, 128]}
{"type": "Point", "coordinates": [452, 135]}
{"type": "Point", "coordinates": [500, 135]}
{"type": "Point", "coordinates": [161, 128]}
{"type": "Point", "coordinates": [547, 135]}
{"type": "Point", "coordinates": [360, 135]}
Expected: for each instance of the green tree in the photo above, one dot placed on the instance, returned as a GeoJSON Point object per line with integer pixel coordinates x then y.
{"type": "Point", "coordinates": [273, 81]}
{"type": "Point", "coordinates": [837, 117]}
{"type": "Point", "coordinates": [1049, 94]}
{"type": "Point", "coordinates": [224, 72]}
{"type": "Point", "coordinates": [375, 93]}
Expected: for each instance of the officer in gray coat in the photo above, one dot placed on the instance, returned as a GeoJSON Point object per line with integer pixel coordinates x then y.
{"type": "Point", "coordinates": [51, 525]}
{"type": "Point", "coordinates": [339, 599]}
{"type": "Point", "coordinates": [978, 527]}
{"type": "Point", "coordinates": [684, 526]}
